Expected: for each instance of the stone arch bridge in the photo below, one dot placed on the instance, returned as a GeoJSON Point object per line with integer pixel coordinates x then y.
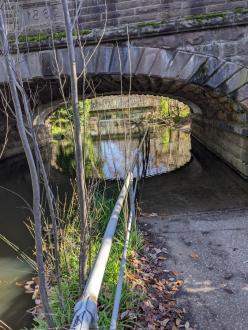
{"type": "Point", "coordinates": [192, 52]}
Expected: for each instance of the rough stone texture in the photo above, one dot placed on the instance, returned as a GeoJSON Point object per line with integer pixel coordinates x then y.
{"type": "Point", "coordinates": [210, 27]}
{"type": "Point", "coordinates": [227, 140]}
{"type": "Point", "coordinates": [37, 13]}
{"type": "Point", "coordinates": [107, 103]}
{"type": "Point", "coordinates": [30, 17]}
{"type": "Point", "coordinates": [13, 146]}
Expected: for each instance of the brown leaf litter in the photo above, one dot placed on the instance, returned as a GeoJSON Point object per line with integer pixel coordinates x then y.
{"type": "Point", "coordinates": [158, 310]}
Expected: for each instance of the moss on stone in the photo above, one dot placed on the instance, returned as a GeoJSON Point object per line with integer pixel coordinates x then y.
{"type": "Point", "coordinates": [82, 32]}
{"type": "Point", "coordinates": [151, 24]}
{"type": "Point", "coordinates": [33, 38]}
{"type": "Point", "coordinates": [44, 37]}
{"type": "Point", "coordinates": [240, 10]}
{"type": "Point", "coordinates": [207, 16]}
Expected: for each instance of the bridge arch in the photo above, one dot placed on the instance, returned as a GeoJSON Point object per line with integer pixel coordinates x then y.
{"type": "Point", "coordinates": [216, 90]}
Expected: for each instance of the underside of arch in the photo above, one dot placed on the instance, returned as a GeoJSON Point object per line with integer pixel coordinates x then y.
{"type": "Point", "coordinates": [216, 90]}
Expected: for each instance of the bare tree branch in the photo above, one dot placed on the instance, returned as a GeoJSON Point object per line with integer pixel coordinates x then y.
{"type": "Point", "coordinates": [32, 168]}
{"type": "Point", "coordinates": [80, 171]}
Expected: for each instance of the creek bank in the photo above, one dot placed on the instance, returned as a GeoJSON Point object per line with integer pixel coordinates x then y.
{"type": "Point", "coordinates": [153, 305]}
{"type": "Point", "coordinates": [169, 149]}
{"type": "Point", "coordinates": [69, 238]}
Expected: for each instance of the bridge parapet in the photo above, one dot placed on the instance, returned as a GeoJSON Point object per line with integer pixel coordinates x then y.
{"type": "Point", "coordinates": [221, 33]}
{"type": "Point", "coordinates": [31, 16]}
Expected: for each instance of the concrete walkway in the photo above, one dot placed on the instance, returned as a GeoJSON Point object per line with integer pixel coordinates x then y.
{"type": "Point", "coordinates": [203, 217]}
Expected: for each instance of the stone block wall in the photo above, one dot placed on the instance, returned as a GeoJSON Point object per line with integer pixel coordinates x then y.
{"type": "Point", "coordinates": [229, 43]}
{"type": "Point", "coordinates": [140, 11]}
{"type": "Point", "coordinates": [124, 102]}
{"type": "Point", "coordinates": [210, 27]}
{"type": "Point", "coordinates": [37, 15]}
{"type": "Point", "coordinates": [13, 147]}
{"type": "Point", "coordinates": [227, 139]}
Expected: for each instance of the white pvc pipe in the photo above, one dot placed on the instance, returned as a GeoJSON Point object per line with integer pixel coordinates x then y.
{"type": "Point", "coordinates": [93, 286]}
{"type": "Point", "coordinates": [117, 300]}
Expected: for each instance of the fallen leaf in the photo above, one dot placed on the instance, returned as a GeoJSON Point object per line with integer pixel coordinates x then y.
{"type": "Point", "coordinates": [19, 284]}
{"type": "Point", "coordinates": [164, 322]}
{"type": "Point", "coordinates": [153, 256]}
{"type": "Point", "coordinates": [124, 315]}
{"type": "Point", "coordinates": [161, 258]}
{"type": "Point", "coordinates": [148, 303]}
{"type": "Point", "coordinates": [178, 321]}
{"type": "Point", "coordinates": [161, 308]}
{"type": "Point", "coordinates": [37, 301]}
{"type": "Point", "coordinates": [35, 294]}
{"type": "Point", "coordinates": [194, 255]}
{"type": "Point", "coordinates": [132, 316]}
{"type": "Point", "coordinates": [152, 215]}
{"type": "Point", "coordinates": [176, 273]}
{"type": "Point", "coordinates": [187, 325]}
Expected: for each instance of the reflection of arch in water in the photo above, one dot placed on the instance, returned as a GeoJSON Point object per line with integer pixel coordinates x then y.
{"type": "Point", "coordinates": [152, 160]}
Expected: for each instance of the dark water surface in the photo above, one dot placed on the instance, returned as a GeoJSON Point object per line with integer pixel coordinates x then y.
{"type": "Point", "coordinates": [109, 159]}
{"type": "Point", "coordinates": [13, 303]}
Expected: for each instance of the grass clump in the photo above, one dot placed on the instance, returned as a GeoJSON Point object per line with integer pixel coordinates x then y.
{"type": "Point", "coordinates": [100, 211]}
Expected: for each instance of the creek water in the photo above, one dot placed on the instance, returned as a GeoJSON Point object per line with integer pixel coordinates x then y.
{"type": "Point", "coordinates": [109, 158]}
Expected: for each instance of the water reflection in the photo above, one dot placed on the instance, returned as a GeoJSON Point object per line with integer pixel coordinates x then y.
{"type": "Point", "coordinates": [13, 302]}
{"type": "Point", "coordinates": [63, 158]}
{"type": "Point", "coordinates": [169, 149]}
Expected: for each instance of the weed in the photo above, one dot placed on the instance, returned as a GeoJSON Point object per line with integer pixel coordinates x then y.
{"type": "Point", "coordinates": [100, 212]}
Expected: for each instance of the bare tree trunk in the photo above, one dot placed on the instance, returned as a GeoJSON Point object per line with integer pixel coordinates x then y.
{"type": "Point", "coordinates": [32, 169]}
{"type": "Point", "coordinates": [49, 194]}
{"type": "Point", "coordinates": [81, 185]}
